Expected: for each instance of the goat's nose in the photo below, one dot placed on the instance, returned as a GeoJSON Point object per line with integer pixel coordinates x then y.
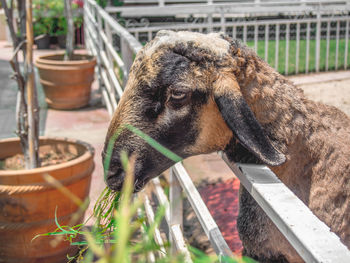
{"type": "Point", "coordinates": [115, 179]}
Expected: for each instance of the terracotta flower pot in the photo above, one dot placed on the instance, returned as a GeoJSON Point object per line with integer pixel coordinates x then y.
{"type": "Point", "coordinates": [67, 84]}
{"type": "Point", "coordinates": [28, 202]}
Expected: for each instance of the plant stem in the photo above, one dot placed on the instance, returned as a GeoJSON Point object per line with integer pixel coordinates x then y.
{"type": "Point", "coordinates": [31, 92]}
{"type": "Point", "coordinates": [21, 107]}
{"type": "Point", "coordinates": [70, 31]}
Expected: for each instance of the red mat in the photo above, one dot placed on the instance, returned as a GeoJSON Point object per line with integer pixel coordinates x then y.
{"type": "Point", "coordinates": [222, 202]}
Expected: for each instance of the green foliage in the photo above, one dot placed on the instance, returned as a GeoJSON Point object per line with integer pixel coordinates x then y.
{"type": "Point", "coordinates": [117, 2]}
{"type": "Point", "coordinates": [48, 17]}
{"type": "Point", "coordinates": [102, 3]}
{"type": "Point", "coordinates": [42, 17]}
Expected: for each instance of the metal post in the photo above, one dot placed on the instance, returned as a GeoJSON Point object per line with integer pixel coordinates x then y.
{"type": "Point", "coordinates": [297, 49]}
{"type": "Point", "coordinates": [266, 42]}
{"type": "Point", "coordinates": [307, 47]}
{"type": "Point", "coordinates": [222, 22]}
{"type": "Point", "coordinates": [99, 48]}
{"type": "Point", "coordinates": [256, 33]}
{"type": "Point", "coordinates": [318, 42]}
{"type": "Point", "coordinates": [277, 45]}
{"type": "Point", "coordinates": [337, 45]}
{"type": "Point", "coordinates": [176, 204]}
{"type": "Point", "coordinates": [346, 44]}
{"type": "Point", "coordinates": [234, 32]}
{"type": "Point", "coordinates": [110, 63]}
{"type": "Point", "coordinates": [210, 23]}
{"type": "Point", "coordinates": [287, 50]}
{"type": "Point", "coordinates": [110, 40]}
{"type": "Point", "coordinates": [127, 56]}
{"type": "Point", "coordinates": [244, 33]}
{"type": "Point", "coordinates": [327, 43]}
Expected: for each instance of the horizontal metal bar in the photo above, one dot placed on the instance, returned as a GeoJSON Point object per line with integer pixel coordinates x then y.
{"type": "Point", "coordinates": [230, 8]}
{"type": "Point", "coordinates": [208, 224]}
{"type": "Point", "coordinates": [310, 237]}
{"type": "Point", "coordinates": [186, 26]}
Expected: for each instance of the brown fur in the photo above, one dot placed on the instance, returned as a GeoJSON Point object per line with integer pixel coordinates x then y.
{"type": "Point", "coordinates": [214, 134]}
{"type": "Point", "coordinates": [313, 137]}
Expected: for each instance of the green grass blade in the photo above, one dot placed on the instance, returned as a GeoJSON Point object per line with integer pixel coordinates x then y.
{"type": "Point", "coordinates": [156, 145]}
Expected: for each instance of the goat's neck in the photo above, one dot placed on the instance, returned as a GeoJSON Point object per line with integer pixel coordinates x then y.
{"type": "Point", "coordinates": [282, 109]}
{"type": "Point", "coordinates": [277, 104]}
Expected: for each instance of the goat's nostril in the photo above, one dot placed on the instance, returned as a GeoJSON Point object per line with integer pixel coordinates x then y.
{"type": "Point", "coordinates": [115, 179]}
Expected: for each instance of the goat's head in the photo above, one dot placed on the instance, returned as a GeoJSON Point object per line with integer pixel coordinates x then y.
{"type": "Point", "coordinates": [183, 91]}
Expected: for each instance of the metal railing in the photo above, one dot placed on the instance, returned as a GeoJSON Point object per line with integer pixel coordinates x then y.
{"type": "Point", "coordinates": [301, 44]}
{"type": "Point", "coordinates": [115, 48]}
{"type": "Point", "coordinates": [251, 8]}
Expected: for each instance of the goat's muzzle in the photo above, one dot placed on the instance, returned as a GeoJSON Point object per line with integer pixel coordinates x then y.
{"type": "Point", "coordinates": [115, 179]}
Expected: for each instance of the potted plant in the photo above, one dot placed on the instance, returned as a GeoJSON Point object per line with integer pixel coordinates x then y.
{"type": "Point", "coordinates": [42, 23]}
{"type": "Point", "coordinates": [33, 170]}
{"type": "Point", "coordinates": [66, 76]}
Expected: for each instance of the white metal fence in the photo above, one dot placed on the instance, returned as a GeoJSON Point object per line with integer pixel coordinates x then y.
{"type": "Point", "coordinates": [310, 237]}
{"type": "Point", "coordinates": [309, 35]}
{"type": "Point", "coordinates": [291, 46]}
{"type": "Point", "coordinates": [226, 7]}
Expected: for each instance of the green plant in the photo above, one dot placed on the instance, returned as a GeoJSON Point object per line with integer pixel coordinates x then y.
{"type": "Point", "coordinates": [43, 17]}
{"type": "Point", "coordinates": [102, 3]}
{"type": "Point", "coordinates": [49, 18]}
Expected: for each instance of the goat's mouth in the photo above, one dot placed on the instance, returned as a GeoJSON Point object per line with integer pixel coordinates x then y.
{"type": "Point", "coordinates": [115, 182]}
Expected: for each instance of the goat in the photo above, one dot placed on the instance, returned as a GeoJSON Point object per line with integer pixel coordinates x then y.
{"type": "Point", "coordinates": [197, 93]}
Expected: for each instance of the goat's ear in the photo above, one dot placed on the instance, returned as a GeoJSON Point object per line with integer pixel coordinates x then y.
{"type": "Point", "coordinates": [241, 120]}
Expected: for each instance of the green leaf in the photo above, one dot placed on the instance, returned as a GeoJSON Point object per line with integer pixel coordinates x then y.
{"type": "Point", "coordinates": [156, 145]}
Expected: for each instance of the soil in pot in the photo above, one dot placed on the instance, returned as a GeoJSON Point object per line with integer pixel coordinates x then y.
{"type": "Point", "coordinates": [29, 205]}
{"type": "Point", "coordinates": [67, 84]}
{"type": "Point", "coordinates": [47, 157]}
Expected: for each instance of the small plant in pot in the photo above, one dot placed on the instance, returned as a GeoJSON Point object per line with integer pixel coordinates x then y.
{"type": "Point", "coordinates": [66, 76]}
{"type": "Point", "coordinates": [29, 202]}
{"type": "Point", "coordinates": [42, 23]}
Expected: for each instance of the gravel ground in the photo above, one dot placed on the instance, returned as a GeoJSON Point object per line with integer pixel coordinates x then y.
{"type": "Point", "coordinates": [335, 93]}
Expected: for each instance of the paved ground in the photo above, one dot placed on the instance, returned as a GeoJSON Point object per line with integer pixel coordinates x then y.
{"type": "Point", "coordinates": [220, 189]}
{"type": "Point", "coordinates": [8, 94]}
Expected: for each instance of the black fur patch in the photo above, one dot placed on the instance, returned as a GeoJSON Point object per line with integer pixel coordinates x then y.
{"type": "Point", "coordinates": [184, 131]}
{"type": "Point", "coordinates": [173, 66]}
{"type": "Point", "coordinates": [236, 152]}
{"type": "Point", "coordinates": [246, 128]}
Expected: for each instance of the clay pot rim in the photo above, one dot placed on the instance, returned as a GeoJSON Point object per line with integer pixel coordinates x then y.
{"type": "Point", "coordinates": [88, 154]}
{"type": "Point", "coordinates": [45, 60]}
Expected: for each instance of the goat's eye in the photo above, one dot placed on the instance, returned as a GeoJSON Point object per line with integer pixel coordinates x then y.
{"type": "Point", "coordinates": [178, 95]}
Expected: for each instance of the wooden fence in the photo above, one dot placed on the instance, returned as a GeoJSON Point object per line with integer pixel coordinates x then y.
{"type": "Point", "coordinates": [310, 237]}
